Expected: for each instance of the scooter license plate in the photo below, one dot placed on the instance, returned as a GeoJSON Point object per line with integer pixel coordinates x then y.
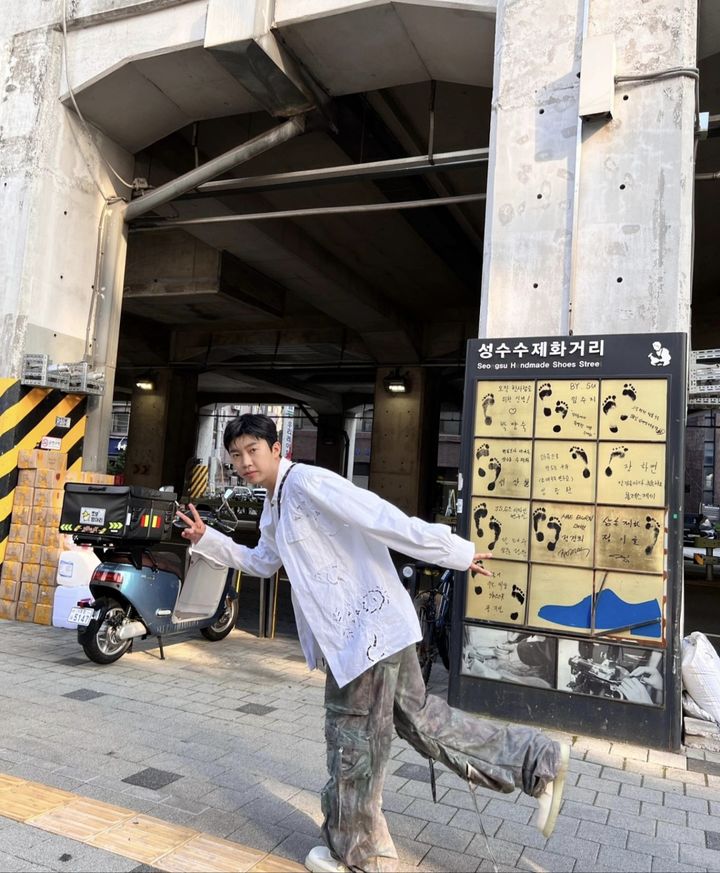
{"type": "Point", "coordinates": [81, 616]}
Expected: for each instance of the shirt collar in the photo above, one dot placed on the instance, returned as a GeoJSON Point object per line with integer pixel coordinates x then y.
{"type": "Point", "coordinates": [282, 469]}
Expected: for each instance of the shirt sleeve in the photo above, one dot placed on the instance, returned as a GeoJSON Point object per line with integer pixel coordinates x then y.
{"type": "Point", "coordinates": [375, 517]}
{"type": "Point", "coordinates": [262, 561]}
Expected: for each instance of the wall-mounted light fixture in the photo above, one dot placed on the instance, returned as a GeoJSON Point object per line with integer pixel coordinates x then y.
{"type": "Point", "coordinates": [145, 383]}
{"type": "Point", "coordinates": [396, 382]}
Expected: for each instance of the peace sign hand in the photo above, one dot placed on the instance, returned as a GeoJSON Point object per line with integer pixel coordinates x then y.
{"type": "Point", "coordinates": [195, 525]}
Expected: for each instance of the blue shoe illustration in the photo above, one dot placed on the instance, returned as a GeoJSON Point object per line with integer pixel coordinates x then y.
{"type": "Point", "coordinates": [611, 612]}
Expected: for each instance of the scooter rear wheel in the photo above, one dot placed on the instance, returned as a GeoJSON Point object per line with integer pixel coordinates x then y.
{"type": "Point", "coordinates": [225, 623]}
{"type": "Point", "coordinates": [101, 644]}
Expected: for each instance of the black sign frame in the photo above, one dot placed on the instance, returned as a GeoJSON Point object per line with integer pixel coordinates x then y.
{"type": "Point", "coordinates": [616, 356]}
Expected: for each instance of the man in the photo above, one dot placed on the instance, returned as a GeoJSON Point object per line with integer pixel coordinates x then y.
{"type": "Point", "coordinates": [351, 610]}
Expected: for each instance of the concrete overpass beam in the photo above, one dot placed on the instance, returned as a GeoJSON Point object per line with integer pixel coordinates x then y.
{"type": "Point", "coordinates": [239, 37]}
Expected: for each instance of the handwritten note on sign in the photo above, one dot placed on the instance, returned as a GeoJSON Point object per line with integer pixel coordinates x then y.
{"type": "Point", "coordinates": [501, 468]}
{"type": "Point", "coordinates": [629, 538]}
{"type": "Point", "coordinates": [562, 534]}
{"type": "Point", "coordinates": [500, 597]}
{"type": "Point", "coordinates": [504, 409]}
{"type": "Point", "coordinates": [567, 409]}
{"type": "Point", "coordinates": [631, 473]}
{"type": "Point", "coordinates": [633, 410]}
{"type": "Point", "coordinates": [564, 470]}
{"type": "Point", "coordinates": [501, 527]}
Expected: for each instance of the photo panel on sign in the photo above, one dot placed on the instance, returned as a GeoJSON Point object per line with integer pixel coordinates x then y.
{"type": "Point", "coordinates": [500, 526]}
{"type": "Point", "coordinates": [562, 533]}
{"type": "Point", "coordinates": [504, 408]}
{"type": "Point", "coordinates": [501, 597]}
{"type": "Point", "coordinates": [630, 600]}
{"type": "Point", "coordinates": [608, 669]}
{"type": "Point", "coordinates": [567, 409]}
{"type": "Point", "coordinates": [631, 474]}
{"type": "Point", "coordinates": [489, 653]}
{"type": "Point", "coordinates": [633, 409]}
{"type": "Point", "coordinates": [501, 468]}
{"type": "Point", "coordinates": [564, 470]}
{"type": "Point", "coordinates": [630, 538]}
{"type": "Point", "coordinates": [560, 598]}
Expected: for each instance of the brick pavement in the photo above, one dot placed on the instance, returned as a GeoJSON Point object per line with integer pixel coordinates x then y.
{"type": "Point", "coordinates": [226, 738]}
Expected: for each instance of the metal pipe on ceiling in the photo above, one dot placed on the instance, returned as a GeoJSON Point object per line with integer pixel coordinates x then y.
{"type": "Point", "coordinates": [215, 167]}
{"type": "Point", "coordinates": [348, 172]}
{"type": "Point", "coordinates": [161, 223]}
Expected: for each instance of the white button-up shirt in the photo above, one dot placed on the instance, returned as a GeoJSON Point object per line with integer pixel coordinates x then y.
{"type": "Point", "coordinates": [333, 540]}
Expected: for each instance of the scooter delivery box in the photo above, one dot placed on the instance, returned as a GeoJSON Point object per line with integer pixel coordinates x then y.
{"type": "Point", "coordinates": [117, 512]}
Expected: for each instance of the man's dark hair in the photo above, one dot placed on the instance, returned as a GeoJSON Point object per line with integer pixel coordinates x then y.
{"type": "Point", "coordinates": [259, 426]}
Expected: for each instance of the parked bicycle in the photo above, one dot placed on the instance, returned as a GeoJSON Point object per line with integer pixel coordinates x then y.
{"type": "Point", "coordinates": [434, 610]}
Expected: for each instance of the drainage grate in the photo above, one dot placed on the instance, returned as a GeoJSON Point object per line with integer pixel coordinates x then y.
{"type": "Point", "coordinates": [256, 709]}
{"type": "Point", "coordinates": [152, 778]}
{"type": "Point", "coordinates": [84, 694]}
{"type": "Point", "coordinates": [413, 771]}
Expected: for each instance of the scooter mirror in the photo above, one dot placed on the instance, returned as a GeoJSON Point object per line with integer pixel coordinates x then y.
{"type": "Point", "coordinates": [228, 493]}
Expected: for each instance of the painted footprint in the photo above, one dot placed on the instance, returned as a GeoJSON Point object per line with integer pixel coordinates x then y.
{"type": "Point", "coordinates": [496, 527]}
{"type": "Point", "coordinates": [518, 594]}
{"type": "Point", "coordinates": [488, 401]}
{"type": "Point", "coordinates": [617, 452]}
{"type": "Point", "coordinates": [544, 392]}
{"type": "Point", "coordinates": [478, 516]}
{"type": "Point", "coordinates": [630, 392]}
{"type": "Point", "coordinates": [482, 451]}
{"type": "Point", "coordinates": [576, 452]}
{"type": "Point", "coordinates": [496, 467]}
{"type": "Point", "coordinates": [608, 405]}
{"type": "Point", "coordinates": [561, 409]}
{"type": "Point", "coordinates": [554, 524]}
{"type": "Point", "coordinates": [538, 516]}
{"type": "Point", "coordinates": [652, 525]}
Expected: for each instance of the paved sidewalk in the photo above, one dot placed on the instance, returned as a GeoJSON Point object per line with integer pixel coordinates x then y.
{"type": "Point", "coordinates": [227, 739]}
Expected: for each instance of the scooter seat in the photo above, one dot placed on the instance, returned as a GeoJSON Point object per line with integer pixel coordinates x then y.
{"type": "Point", "coordinates": [167, 561]}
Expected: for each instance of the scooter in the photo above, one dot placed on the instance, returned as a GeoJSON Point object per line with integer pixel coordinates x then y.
{"type": "Point", "coordinates": [141, 592]}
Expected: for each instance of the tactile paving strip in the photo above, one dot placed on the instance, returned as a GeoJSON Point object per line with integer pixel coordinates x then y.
{"type": "Point", "coordinates": [146, 839]}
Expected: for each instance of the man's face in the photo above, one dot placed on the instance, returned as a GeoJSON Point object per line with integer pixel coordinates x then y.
{"type": "Point", "coordinates": [255, 461]}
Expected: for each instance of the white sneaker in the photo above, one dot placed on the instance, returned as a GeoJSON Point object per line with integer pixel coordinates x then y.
{"type": "Point", "coordinates": [320, 860]}
{"type": "Point", "coordinates": [549, 801]}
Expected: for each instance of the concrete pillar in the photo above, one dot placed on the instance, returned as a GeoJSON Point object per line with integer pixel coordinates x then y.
{"type": "Point", "coordinates": [588, 229]}
{"type": "Point", "coordinates": [147, 433]}
{"type": "Point", "coordinates": [401, 457]}
{"type": "Point", "coordinates": [351, 423]}
{"type": "Point", "coordinates": [331, 448]}
{"type": "Point", "coordinates": [205, 444]}
{"type": "Point", "coordinates": [54, 201]}
{"type": "Point", "coordinates": [180, 428]}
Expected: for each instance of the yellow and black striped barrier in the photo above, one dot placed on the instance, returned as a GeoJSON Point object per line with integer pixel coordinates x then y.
{"type": "Point", "coordinates": [26, 416]}
{"type": "Point", "coordinates": [199, 478]}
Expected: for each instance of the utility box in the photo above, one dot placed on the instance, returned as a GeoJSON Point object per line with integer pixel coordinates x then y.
{"type": "Point", "coordinates": [597, 77]}
{"type": "Point", "coordinates": [117, 512]}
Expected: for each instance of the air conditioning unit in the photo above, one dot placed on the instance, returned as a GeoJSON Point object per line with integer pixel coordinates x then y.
{"type": "Point", "coordinates": [40, 372]}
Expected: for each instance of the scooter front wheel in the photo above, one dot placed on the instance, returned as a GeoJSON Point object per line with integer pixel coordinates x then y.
{"type": "Point", "coordinates": [100, 642]}
{"type": "Point", "coordinates": [225, 623]}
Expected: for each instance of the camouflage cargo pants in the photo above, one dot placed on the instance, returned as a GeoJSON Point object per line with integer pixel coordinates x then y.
{"type": "Point", "coordinates": [359, 728]}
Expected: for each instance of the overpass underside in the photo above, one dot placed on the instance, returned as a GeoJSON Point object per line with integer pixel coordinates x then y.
{"type": "Point", "coordinates": [361, 271]}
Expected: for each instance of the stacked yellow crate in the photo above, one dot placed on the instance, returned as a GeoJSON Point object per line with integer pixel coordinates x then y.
{"type": "Point", "coordinates": [29, 571]}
